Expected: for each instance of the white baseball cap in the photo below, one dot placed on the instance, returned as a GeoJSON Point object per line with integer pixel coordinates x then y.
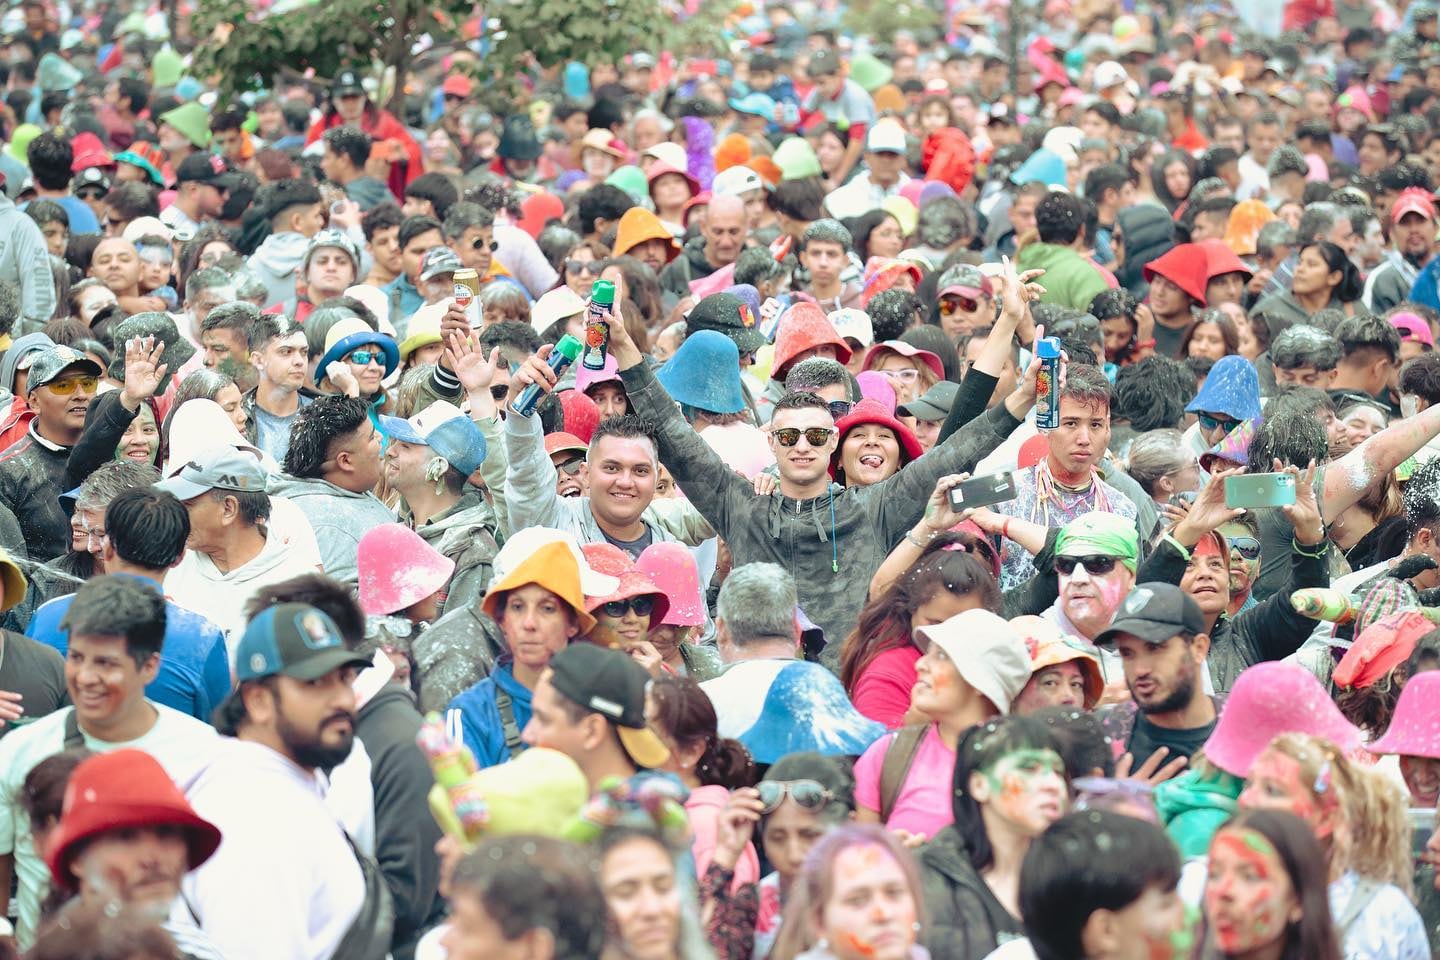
{"type": "Point", "coordinates": [736, 181]}
{"type": "Point", "coordinates": [885, 137]}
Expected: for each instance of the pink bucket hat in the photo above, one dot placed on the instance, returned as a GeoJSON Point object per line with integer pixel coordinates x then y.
{"type": "Point", "coordinates": [1380, 648]}
{"type": "Point", "coordinates": [609, 559]}
{"type": "Point", "coordinates": [673, 570]}
{"type": "Point", "coordinates": [585, 378]}
{"type": "Point", "coordinates": [1267, 700]}
{"type": "Point", "coordinates": [398, 569]}
{"type": "Point", "coordinates": [1415, 727]}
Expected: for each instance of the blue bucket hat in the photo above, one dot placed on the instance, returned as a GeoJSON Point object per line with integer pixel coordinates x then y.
{"type": "Point", "coordinates": [705, 373]}
{"type": "Point", "coordinates": [1047, 166]}
{"type": "Point", "coordinates": [445, 429]}
{"type": "Point", "coordinates": [1232, 388]}
{"type": "Point", "coordinates": [350, 334]}
{"type": "Point", "coordinates": [754, 104]}
{"type": "Point", "coordinates": [806, 710]}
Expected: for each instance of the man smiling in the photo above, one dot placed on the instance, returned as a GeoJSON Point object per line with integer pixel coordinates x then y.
{"type": "Point", "coordinates": [116, 627]}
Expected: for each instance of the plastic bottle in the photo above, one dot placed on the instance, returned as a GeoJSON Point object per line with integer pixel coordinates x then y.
{"type": "Point", "coordinates": [561, 357]}
{"type": "Point", "coordinates": [1047, 384]}
{"type": "Point", "coordinates": [597, 324]}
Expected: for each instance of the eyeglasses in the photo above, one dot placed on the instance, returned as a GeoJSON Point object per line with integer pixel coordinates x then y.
{"type": "Point", "coordinates": [63, 388]}
{"type": "Point", "coordinates": [807, 794]}
{"type": "Point", "coordinates": [481, 242]}
{"type": "Point", "coordinates": [617, 608]}
{"type": "Point", "coordinates": [1095, 565]}
{"type": "Point", "coordinates": [589, 268]}
{"type": "Point", "coordinates": [815, 436]}
{"type": "Point", "coordinates": [1247, 547]}
{"type": "Point", "coordinates": [952, 305]}
{"type": "Point", "coordinates": [840, 408]}
{"type": "Point", "coordinates": [907, 375]}
{"type": "Point", "coordinates": [364, 358]}
{"type": "Point", "coordinates": [571, 467]}
{"type": "Point", "coordinates": [1207, 422]}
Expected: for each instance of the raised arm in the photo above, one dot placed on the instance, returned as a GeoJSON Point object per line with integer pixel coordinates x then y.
{"type": "Point", "coordinates": [476, 373]}
{"type": "Point", "coordinates": [114, 412]}
{"type": "Point", "coordinates": [1347, 479]}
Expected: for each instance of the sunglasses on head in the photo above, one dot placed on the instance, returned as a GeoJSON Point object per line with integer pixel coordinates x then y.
{"type": "Point", "coordinates": [366, 357]}
{"type": "Point", "coordinates": [617, 608]}
{"type": "Point", "coordinates": [480, 243]}
{"type": "Point", "coordinates": [1207, 422]}
{"type": "Point", "coordinates": [1095, 565]}
{"type": "Point", "coordinates": [953, 304]}
{"type": "Point", "coordinates": [589, 268]}
{"type": "Point", "coordinates": [1247, 547]}
{"type": "Point", "coordinates": [815, 436]}
{"type": "Point", "coordinates": [807, 794]}
{"type": "Point", "coordinates": [63, 388]}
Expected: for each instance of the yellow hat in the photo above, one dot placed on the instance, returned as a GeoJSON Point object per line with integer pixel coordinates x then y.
{"type": "Point", "coordinates": [552, 566]}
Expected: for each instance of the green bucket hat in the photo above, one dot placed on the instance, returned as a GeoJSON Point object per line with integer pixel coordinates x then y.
{"type": "Point", "coordinates": [870, 72]}
{"type": "Point", "coordinates": [166, 67]}
{"type": "Point", "coordinates": [20, 142]}
{"type": "Point", "coordinates": [55, 73]}
{"type": "Point", "coordinates": [796, 159]}
{"type": "Point", "coordinates": [632, 180]}
{"type": "Point", "coordinates": [192, 121]}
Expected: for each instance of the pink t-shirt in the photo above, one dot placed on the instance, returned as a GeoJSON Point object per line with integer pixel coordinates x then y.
{"type": "Point", "coordinates": [703, 807]}
{"type": "Point", "coordinates": [923, 804]}
{"type": "Point", "coordinates": [882, 691]}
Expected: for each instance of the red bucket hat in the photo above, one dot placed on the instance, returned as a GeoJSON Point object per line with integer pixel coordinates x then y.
{"type": "Point", "coordinates": [122, 790]}
{"type": "Point", "coordinates": [1185, 266]}
{"type": "Point", "coordinates": [872, 412]}
{"type": "Point", "coordinates": [803, 327]}
{"type": "Point", "coordinates": [1220, 260]}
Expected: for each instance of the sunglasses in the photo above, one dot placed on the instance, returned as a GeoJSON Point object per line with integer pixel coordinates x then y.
{"type": "Point", "coordinates": [807, 794]}
{"type": "Point", "coordinates": [907, 375]}
{"type": "Point", "coordinates": [1208, 422]}
{"type": "Point", "coordinates": [499, 392]}
{"type": "Point", "coordinates": [952, 305]}
{"type": "Point", "coordinates": [63, 388]}
{"type": "Point", "coordinates": [1096, 565]}
{"type": "Point", "coordinates": [589, 268]}
{"type": "Point", "coordinates": [1247, 547]}
{"type": "Point", "coordinates": [571, 467]}
{"type": "Point", "coordinates": [617, 608]}
{"type": "Point", "coordinates": [480, 243]}
{"type": "Point", "coordinates": [815, 436]}
{"type": "Point", "coordinates": [839, 408]}
{"type": "Point", "coordinates": [91, 194]}
{"type": "Point", "coordinates": [364, 358]}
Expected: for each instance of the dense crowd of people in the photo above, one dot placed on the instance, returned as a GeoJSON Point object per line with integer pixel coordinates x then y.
{"type": "Point", "coordinates": [994, 512]}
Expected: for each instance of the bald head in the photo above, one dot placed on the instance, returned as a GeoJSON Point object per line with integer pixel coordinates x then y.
{"type": "Point", "coordinates": [724, 230]}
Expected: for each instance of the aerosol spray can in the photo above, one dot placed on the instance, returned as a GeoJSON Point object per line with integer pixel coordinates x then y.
{"type": "Point", "coordinates": [1047, 384]}
{"type": "Point", "coordinates": [597, 325]}
{"type": "Point", "coordinates": [561, 357]}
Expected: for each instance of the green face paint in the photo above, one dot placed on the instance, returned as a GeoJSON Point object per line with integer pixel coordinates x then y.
{"type": "Point", "coordinates": [1026, 762]}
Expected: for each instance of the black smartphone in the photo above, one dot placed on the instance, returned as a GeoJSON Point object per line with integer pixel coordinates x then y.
{"type": "Point", "coordinates": [983, 491]}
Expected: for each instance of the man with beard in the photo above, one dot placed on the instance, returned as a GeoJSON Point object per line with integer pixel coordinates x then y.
{"type": "Point", "coordinates": [291, 717]}
{"type": "Point", "coordinates": [127, 836]}
{"type": "Point", "coordinates": [116, 627]}
{"type": "Point", "coordinates": [1412, 239]}
{"type": "Point", "coordinates": [1160, 635]}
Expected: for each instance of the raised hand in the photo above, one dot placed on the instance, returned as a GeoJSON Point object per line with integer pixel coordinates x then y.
{"type": "Point", "coordinates": [342, 378]}
{"type": "Point", "coordinates": [143, 371]}
{"type": "Point", "coordinates": [467, 360]}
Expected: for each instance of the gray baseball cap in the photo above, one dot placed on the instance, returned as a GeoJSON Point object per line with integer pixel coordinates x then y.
{"type": "Point", "coordinates": [934, 405]}
{"type": "Point", "coordinates": [218, 468]}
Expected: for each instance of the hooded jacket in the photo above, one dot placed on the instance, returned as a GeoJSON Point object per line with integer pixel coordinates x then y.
{"type": "Point", "coordinates": [966, 921]}
{"type": "Point", "coordinates": [1070, 279]}
{"type": "Point", "coordinates": [338, 516]}
{"type": "Point", "coordinates": [277, 264]}
{"type": "Point", "coordinates": [18, 413]}
{"type": "Point", "coordinates": [1149, 232]}
{"type": "Point", "coordinates": [368, 192]}
{"type": "Point", "coordinates": [32, 471]}
{"type": "Point", "coordinates": [25, 262]}
{"type": "Point", "coordinates": [831, 544]}
{"type": "Point", "coordinates": [948, 156]}
{"type": "Point", "coordinates": [690, 265]}
{"type": "Point", "coordinates": [465, 533]}
{"type": "Point", "coordinates": [405, 833]}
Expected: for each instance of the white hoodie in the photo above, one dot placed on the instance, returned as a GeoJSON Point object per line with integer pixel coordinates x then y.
{"type": "Point", "coordinates": [289, 551]}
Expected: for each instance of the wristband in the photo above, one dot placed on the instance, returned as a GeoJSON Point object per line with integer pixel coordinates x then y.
{"type": "Point", "coordinates": [1005, 529]}
{"type": "Point", "coordinates": [1145, 344]}
{"type": "Point", "coordinates": [910, 536]}
{"type": "Point", "coordinates": [1304, 549]}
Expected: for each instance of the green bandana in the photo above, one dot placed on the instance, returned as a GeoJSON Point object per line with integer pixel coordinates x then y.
{"type": "Point", "coordinates": [1103, 534]}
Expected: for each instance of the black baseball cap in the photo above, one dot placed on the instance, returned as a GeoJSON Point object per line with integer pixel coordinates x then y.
{"type": "Point", "coordinates": [347, 83]}
{"type": "Point", "coordinates": [202, 168]}
{"type": "Point", "coordinates": [823, 63]}
{"type": "Point", "coordinates": [1155, 612]}
{"type": "Point", "coordinates": [612, 685]}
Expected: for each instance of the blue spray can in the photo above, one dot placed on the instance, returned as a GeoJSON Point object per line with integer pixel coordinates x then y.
{"type": "Point", "coordinates": [1047, 384]}
{"type": "Point", "coordinates": [561, 357]}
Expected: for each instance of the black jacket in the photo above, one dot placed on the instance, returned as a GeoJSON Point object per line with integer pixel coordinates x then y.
{"type": "Point", "coordinates": [1271, 630]}
{"type": "Point", "coordinates": [405, 832]}
{"type": "Point", "coordinates": [32, 475]}
{"type": "Point", "coordinates": [966, 921]}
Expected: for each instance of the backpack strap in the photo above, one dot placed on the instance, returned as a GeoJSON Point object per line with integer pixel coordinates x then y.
{"type": "Point", "coordinates": [899, 758]}
{"type": "Point", "coordinates": [73, 737]}
{"type": "Point", "coordinates": [1366, 890]}
{"type": "Point", "coordinates": [506, 706]}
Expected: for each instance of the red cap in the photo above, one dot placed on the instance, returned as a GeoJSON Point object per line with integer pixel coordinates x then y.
{"type": "Point", "coordinates": [539, 209]}
{"type": "Point", "coordinates": [457, 85]}
{"type": "Point", "coordinates": [89, 152]}
{"type": "Point", "coordinates": [1413, 200]}
{"type": "Point", "coordinates": [581, 414]}
{"type": "Point", "coordinates": [1184, 265]}
{"type": "Point", "coordinates": [555, 442]}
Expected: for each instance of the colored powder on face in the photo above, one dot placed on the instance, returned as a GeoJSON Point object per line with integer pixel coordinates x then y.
{"type": "Point", "coordinates": [862, 947]}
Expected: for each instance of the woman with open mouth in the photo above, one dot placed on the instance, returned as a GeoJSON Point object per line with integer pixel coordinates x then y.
{"type": "Point", "coordinates": [873, 446]}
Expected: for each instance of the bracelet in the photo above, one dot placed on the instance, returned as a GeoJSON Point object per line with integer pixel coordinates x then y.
{"type": "Point", "coordinates": [910, 536]}
{"type": "Point", "coordinates": [1301, 548]}
{"type": "Point", "coordinates": [1005, 529]}
{"type": "Point", "coordinates": [1184, 553]}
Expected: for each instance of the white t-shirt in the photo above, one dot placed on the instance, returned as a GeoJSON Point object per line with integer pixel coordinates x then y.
{"type": "Point", "coordinates": [182, 744]}
{"type": "Point", "coordinates": [284, 884]}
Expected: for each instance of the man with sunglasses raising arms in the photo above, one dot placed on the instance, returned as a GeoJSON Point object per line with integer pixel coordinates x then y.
{"type": "Point", "coordinates": [62, 383]}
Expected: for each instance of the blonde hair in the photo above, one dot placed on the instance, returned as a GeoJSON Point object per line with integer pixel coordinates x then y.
{"type": "Point", "coordinates": [1372, 831]}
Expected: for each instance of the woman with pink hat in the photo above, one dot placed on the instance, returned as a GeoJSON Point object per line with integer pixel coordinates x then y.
{"type": "Point", "coordinates": [873, 446]}
{"type": "Point", "coordinates": [672, 569]}
{"type": "Point", "coordinates": [604, 387]}
{"type": "Point", "coordinates": [910, 370]}
{"type": "Point", "coordinates": [1414, 736]}
{"type": "Point", "coordinates": [623, 615]}
{"type": "Point", "coordinates": [1358, 815]}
